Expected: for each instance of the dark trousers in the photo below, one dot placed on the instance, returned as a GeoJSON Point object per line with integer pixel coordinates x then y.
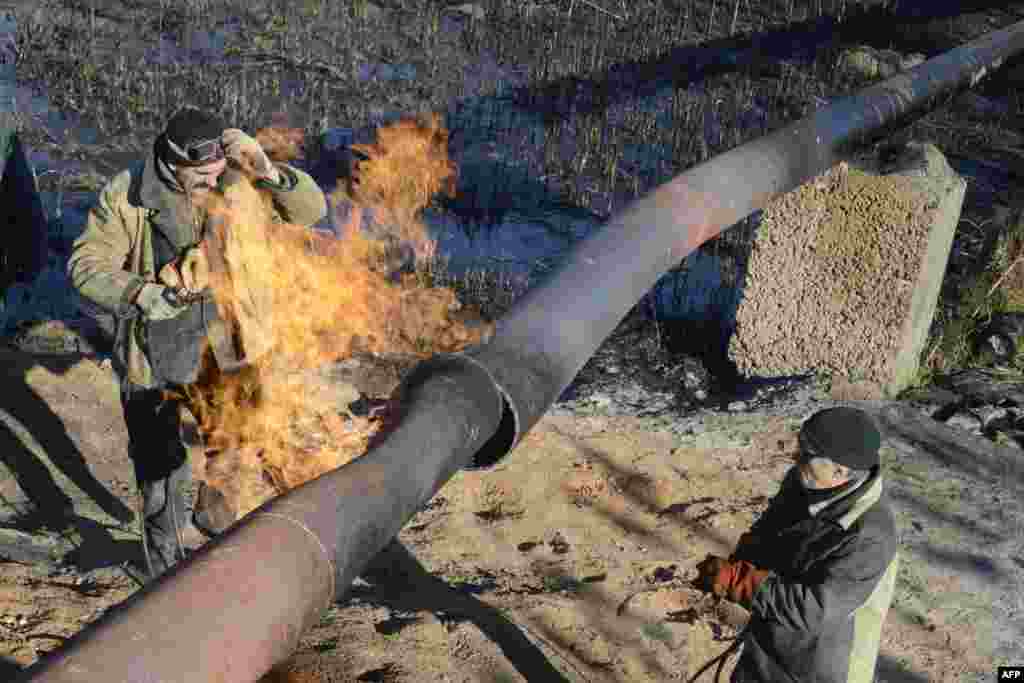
{"type": "Point", "coordinates": [154, 433]}
{"type": "Point", "coordinates": [162, 471]}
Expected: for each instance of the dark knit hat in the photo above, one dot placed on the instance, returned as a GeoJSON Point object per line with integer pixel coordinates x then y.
{"type": "Point", "coordinates": [192, 138]}
{"type": "Point", "coordinates": [844, 435]}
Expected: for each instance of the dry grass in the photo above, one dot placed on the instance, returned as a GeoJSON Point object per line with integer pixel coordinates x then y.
{"type": "Point", "coordinates": [578, 117]}
{"type": "Point", "coordinates": [99, 61]}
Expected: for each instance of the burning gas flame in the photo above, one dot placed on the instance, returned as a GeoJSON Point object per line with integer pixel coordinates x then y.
{"type": "Point", "coordinates": [302, 302]}
{"type": "Point", "coordinates": [281, 143]}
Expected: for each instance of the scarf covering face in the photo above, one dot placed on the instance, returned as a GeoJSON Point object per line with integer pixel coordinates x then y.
{"type": "Point", "coordinates": [815, 495]}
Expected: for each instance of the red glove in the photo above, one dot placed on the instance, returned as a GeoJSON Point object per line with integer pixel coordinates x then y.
{"type": "Point", "coordinates": [737, 581]}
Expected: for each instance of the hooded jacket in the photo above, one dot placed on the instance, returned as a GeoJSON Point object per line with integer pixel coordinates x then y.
{"type": "Point", "coordinates": [114, 256]}
{"type": "Point", "coordinates": [818, 615]}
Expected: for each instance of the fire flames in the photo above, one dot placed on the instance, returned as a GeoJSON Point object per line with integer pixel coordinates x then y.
{"type": "Point", "coordinates": [303, 302]}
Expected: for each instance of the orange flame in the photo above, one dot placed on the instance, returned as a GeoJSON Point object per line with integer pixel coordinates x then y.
{"type": "Point", "coordinates": [302, 303]}
{"type": "Point", "coordinates": [280, 143]}
{"type": "Point", "coordinates": [401, 171]}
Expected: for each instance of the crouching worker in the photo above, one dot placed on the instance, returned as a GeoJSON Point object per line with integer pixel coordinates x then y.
{"type": "Point", "coordinates": [817, 569]}
{"type": "Point", "coordinates": [137, 258]}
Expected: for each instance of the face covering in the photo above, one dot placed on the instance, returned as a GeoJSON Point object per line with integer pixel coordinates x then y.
{"type": "Point", "coordinates": [816, 495]}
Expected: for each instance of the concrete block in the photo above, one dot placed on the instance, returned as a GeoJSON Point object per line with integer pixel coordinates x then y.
{"type": "Point", "coordinates": [845, 272]}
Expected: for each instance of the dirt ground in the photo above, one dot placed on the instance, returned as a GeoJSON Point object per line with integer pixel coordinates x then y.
{"type": "Point", "coordinates": [571, 560]}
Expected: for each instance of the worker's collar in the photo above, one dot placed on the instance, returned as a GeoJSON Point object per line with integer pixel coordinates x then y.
{"type": "Point", "coordinates": [870, 492]}
{"type": "Point", "coordinates": [842, 504]}
{"type": "Point", "coordinates": [173, 214]}
{"type": "Point", "coordinates": [817, 495]}
{"type": "Point", "coordinates": [158, 190]}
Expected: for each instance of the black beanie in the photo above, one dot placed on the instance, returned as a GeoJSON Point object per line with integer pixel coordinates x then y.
{"type": "Point", "coordinates": [843, 435]}
{"type": "Point", "coordinates": [187, 127]}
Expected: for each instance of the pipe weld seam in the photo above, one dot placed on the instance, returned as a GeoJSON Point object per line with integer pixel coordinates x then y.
{"type": "Point", "coordinates": [504, 399]}
{"type": "Point", "coordinates": [323, 548]}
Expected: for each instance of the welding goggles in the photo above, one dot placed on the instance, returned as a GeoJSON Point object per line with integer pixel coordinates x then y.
{"type": "Point", "coordinates": [193, 154]}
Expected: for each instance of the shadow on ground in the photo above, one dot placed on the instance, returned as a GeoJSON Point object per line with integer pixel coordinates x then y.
{"type": "Point", "coordinates": [52, 521]}
{"type": "Point", "coordinates": [30, 432]}
{"type": "Point", "coordinates": [399, 582]}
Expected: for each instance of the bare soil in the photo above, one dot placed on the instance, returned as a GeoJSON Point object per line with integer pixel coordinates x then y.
{"type": "Point", "coordinates": [571, 560]}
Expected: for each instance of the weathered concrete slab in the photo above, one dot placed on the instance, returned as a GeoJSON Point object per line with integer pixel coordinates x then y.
{"type": "Point", "coordinates": [846, 270]}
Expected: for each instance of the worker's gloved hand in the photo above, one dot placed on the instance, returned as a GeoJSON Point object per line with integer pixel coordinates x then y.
{"type": "Point", "coordinates": [190, 272]}
{"type": "Point", "coordinates": [709, 570]}
{"type": "Point", "coordinates": [747, 542]}
{"type": "Point", "coordinates": [245, 151]}
{"type": "Point", "coordinates": [195, 270]}
{"type": "Point", "coordinates": [158, 302]}
{"type": "Point", "coordinates": [737, 581]}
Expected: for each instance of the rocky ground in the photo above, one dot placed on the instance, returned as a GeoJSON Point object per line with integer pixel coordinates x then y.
{"type": "Point", "coordinates": [572, 560]}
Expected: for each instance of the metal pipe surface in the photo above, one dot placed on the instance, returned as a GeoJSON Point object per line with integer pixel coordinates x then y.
{"type": "Point", "coordinates": [240, 605]}
{"type": "Point", "coordinates": [548, 335]}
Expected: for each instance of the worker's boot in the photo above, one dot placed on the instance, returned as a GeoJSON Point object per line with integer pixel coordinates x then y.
{"type": "Point", "coordinates": [167, 515]}
{"type": "Point", "coordinates": [213, 513]}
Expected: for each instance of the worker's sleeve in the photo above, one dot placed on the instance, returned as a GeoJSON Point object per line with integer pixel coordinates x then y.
{"type": "Point", "coordinates": [755, 545]}
{"type": "Point", "coordinates": [830, 592]}
{"type": "Point", "coordinates": [96, 266]}
{"type": "Point", "coordinates": [297, 197]}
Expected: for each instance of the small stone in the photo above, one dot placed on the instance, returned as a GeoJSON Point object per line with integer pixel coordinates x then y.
{"type": "Point", "coordinates": [965, 421]}
{"type": "Point", "coordinates": [992, 417]}
{"type": "Point", "coordinates": [912, 60]}
{"type": "Point", "coordinates": [471, 10]}
{"type": "Point", "coordinates": [558, 544]}
{"type": "Point", "coordinates": [373, 12]}
{"type": "Point", "coordinates": [737, 407]}
{"type": "Point", "coordinates": [662, 574]}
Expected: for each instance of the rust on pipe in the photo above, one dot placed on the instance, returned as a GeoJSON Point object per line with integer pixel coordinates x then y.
{"type": "Point", "coordinates": [240, 605]}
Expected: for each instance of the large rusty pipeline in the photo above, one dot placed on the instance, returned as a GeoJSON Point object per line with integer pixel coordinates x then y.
{"type": "Point", "coordinates": [240, 604]}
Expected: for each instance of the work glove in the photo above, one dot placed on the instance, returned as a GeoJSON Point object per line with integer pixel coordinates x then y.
{"type": "Point", "coordinates": [158, 302]}
{"type": "Point", "coordinates": [246, 152]}
{"type": "Point", "coordinates": [737, 581]}
{"type": "Point", "coordinates": [190, 272]}
{"type": "Point", "coordinates": [747, 542]}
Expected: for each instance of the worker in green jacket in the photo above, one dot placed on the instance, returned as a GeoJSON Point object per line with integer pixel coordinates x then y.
{"type": "Point", "coordinates": [817, 569]}
{"type": "Point", "coordinates": [148, 220]}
